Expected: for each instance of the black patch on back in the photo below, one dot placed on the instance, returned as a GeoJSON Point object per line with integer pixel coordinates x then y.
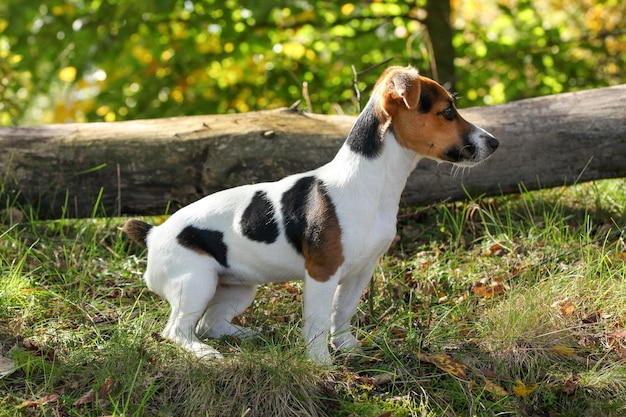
{"type": "Point", "coordinates": [427, 99]}
{"type": "Point", "coordinates": [294, 203]}
{"type": "Point", "coordinates": [258, 222]}
{"type": "Point", "coordinates": [364, 138]}
{"type": "Point", "coordinates": [208, 241]}
{"type": "Point", "coordinates": [303, 224]}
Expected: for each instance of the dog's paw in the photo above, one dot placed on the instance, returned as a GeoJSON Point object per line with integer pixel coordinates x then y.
{"type": "Point", "coordinates": [207, 353]}
{"type": "Point", "coordinates": [345, 341]}
{"type": "Point", "coordinates": [202, 350]}
{"type": "Point", "coordinates": [247, 333]}
{"type": "Point", "coordinates": [228, 329]}
{"type": "Point", "coordinates": [321, 358]}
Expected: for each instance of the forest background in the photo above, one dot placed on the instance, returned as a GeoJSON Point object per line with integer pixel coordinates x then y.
{"type": "Point", "coordinates": [110, 60]}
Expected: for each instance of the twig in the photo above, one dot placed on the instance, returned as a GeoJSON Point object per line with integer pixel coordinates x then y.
{"type": "Point", "coordinates": [119, 191]}
{"type": "Point", "coordinates": [305, 94]}
{"type": "Point", "coordinates": [355, 84]}
{"type": "Point", "coordinates": [355, 81]}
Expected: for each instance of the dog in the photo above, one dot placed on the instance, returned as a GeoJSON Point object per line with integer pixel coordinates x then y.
{"type": "Point", "coordinates": [328, 226]}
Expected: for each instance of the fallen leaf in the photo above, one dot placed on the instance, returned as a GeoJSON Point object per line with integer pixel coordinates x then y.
{"type": "Point", "coordinates": [488, 373]}
{"type": "Point", "coordinates": [587, 342]}
{"type": "Point", "coordinates": [46, 399]}
{"type": "Point", "coordinates": [399, 332]}
{"type": "Point", "coordinates": [566, 306]}
{"type": "Point", "coordinates": [618, 334]}
{"type": "Point", "coordinates": [497, 250]}
{"type": "Point", "coordinates": [488, 289]}
{"type": "Point", "coordinates": [563, 350]}
{"type": "Point", "coordinates": [495, 389]}
{"type": "Point", "coordinates": [31, 346]}
{"type": "Point", "coordinates": [591, 318]}
{"type": "Point", "coordinates": [446, 364]}
{"type": "Point", "coordinates": [519, 270]}
{"type": "Point", "coordinates": [387, 414]}
{"type": "Point", "coordinates": [567, 309]}
{"type": "Point", "coordinates": [105, 389]}
{"type": "Point", "coordinates": [291, 289]}
{"type": "Point", "coordinates": [571, 384]}
{"type": "Point", "coordinates": [524, 390]}
{"type": "Point", "coordinates": [7, 366]}
{"type": "Point", "coordinates": [30, 403]}
{"type": "Point", "coordinates": [90, 397]}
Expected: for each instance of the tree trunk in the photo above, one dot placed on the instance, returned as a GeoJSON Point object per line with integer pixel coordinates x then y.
{"type": "Point", "coordinates": [154, 166]}
{"type": "Point", "coordinates": [440, 34]}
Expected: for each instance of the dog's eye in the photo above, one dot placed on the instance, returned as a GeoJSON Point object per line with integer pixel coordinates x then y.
{"type": "Point", "coordinates": [449, 113]}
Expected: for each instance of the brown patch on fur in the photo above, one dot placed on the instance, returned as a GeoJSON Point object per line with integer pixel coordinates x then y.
{"type": "Point", "coordinates": [322, 248]}
{"type": "Point", "coordinates": [428, 134]}
{"type": "Point", "coordinates": [137, 230]}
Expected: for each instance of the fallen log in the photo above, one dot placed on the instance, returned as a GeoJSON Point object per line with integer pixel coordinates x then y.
{"type": "Point", "coordinates": [154, 166]}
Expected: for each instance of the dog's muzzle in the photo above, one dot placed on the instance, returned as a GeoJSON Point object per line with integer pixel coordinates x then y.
{"type": "Point", "coordinates": [477, 146]}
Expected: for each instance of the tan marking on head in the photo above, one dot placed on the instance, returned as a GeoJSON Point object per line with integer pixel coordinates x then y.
{"type": "Point", "coordinates": [322, 248]}
{"type": "Point", "coordinates": [429, 133]}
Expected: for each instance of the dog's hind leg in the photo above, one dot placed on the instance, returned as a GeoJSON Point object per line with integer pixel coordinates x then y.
{"type": "Point", "coordinates": [189, 288]}
{"type": "Point", "coordinates": [229, 301]}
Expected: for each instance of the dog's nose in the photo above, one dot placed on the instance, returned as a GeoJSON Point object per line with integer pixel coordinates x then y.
{"type": "Point", "coordinates": [492, 143]}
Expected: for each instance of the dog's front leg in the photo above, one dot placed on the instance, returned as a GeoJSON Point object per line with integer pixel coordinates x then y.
{"type": "Point", "coordinates": [347, 298]}
{"type": "Point", "coordinates": [318, 299]}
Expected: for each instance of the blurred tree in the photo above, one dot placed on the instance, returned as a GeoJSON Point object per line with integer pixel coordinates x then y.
{"type": "Point", "coordinates": [105, 60]}
{"type": "Point", "coordinates": [440, 34]}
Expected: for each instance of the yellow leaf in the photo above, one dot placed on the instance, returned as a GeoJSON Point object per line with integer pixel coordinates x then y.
{"type": "Point", "coordinates": [563, 350]}
{"type": "Point", "coordinates": [68, 74]}
{"type": "Point", "coordinates": [495, 389]}
{"type": "Point", "coordinates": [347, 9]}
{"type": "Point", "coordinates": [160, 219]}
{"type": "Point", "coordinates": [445, 363]}
{"type": "Point", "coordinates": [524, 390]}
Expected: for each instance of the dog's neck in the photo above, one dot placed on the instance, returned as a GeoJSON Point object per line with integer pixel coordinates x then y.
{"type": "Point", "coordinates": [373, 160]}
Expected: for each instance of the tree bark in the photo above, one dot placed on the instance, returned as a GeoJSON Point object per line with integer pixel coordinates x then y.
{"type": "Point", "coordinates": [154, 166]}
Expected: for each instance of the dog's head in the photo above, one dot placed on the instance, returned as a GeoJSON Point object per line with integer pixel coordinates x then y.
{"type": "Point", "coordinates": [422, 117]}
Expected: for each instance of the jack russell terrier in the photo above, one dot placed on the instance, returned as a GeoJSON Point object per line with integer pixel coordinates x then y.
{"type": "Point", "coordinates": [328, 226]}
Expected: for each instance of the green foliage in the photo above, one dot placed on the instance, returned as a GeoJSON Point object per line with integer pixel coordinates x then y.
{"type": "Point", "coordinates": [67, 60]}
{"type": "Point", "coordinates": [519, 49]}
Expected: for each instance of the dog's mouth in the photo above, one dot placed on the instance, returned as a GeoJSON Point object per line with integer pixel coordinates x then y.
{"type": "Point", "coordinates": [471, 154]}
{"type": "Point", "coordinates": [457, 155]}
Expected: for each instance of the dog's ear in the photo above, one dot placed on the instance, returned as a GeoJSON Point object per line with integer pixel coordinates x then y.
{"type": "Point", "coordinates": [401, 88]}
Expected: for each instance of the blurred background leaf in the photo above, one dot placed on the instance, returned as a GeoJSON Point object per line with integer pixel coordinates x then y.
{"type": "Point", "coordinates": [105, 60]}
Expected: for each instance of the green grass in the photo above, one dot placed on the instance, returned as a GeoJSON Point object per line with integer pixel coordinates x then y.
{"type": "Point", "coordinates": [524, 294]}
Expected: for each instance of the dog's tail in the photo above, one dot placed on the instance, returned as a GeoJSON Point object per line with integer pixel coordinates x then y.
{"type": "Point", "coordinates": [137, 231]}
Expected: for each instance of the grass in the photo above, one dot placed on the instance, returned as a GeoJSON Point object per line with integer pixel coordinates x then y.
{"type": "Point", "coordinates": [498, 306]}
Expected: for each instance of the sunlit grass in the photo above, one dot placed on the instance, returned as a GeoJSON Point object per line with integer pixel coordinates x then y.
{"type": "Point", "coordinates": [76, 318]}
